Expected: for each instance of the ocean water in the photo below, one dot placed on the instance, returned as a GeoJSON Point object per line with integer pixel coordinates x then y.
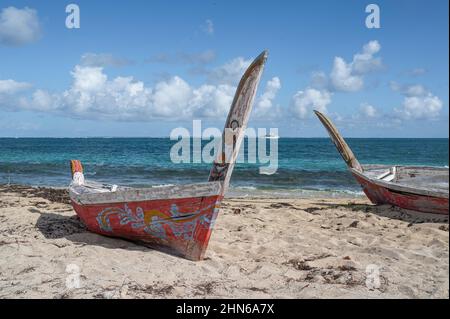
{"type": "Point", "coordinates": [305, 165]}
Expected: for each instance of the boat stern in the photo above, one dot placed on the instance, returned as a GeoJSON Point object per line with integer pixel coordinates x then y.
{"type": "Point", "coordinates": [77, 172]}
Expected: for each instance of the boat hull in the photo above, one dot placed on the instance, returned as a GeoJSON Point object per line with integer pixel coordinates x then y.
{"type": "Point", "coordinates": [379, 194]}
{"type": "Point", "coordinates": [181, 226]}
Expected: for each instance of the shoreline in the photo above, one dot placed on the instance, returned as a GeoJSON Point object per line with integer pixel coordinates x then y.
{"type": "Point", "coordinates": [235, 192]}
{"type": "Point", "coordinates": [260, 248]}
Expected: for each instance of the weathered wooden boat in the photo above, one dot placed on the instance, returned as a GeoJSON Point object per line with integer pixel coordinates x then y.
{"type": "Point", "coordinates": [419, 188]}
{"type": "Point", "coordinates": [177, 219]}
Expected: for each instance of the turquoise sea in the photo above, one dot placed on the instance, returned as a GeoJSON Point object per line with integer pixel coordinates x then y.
{"type": "Point", "coordinates": [304, 164]}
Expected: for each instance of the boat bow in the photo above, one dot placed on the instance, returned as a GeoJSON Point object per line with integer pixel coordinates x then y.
{"type": "Point", "coordinates": [236, 122]}
{"type": "Point", "coordinates": [340, 143]}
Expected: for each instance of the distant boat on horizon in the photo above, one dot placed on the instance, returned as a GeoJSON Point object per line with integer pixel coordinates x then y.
{"type": "Point", "coordinates": [271, 136]}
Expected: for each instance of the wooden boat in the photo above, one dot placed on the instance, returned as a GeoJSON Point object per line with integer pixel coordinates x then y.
{"type": "Point", "coordinates": [419, 188]}
{"type": "Point", "coordinates": [178, 219]}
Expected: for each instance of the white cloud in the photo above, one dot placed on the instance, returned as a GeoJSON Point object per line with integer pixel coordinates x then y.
{"type": "Point", "coordinates": [10, 91]}
{"type": "Point", "coordinates": [365, 62]}
{"type": "Point", "coordinates": [319, 80]}
{"type": "Point", "coordinates": [198, 58]}
{"type": "Point", "coordinates": [420, 107]}
{"type": "Point", "coordinates": [19, 26]}
{"type": "Point", "coordinates": [170, 98]}
{"type": "Point", "coordinates": [348, 77]}
{"type": "Point", "coordinates": [42, 101]}
{"type": "Point", "coordinates": [88, 78]}
{"type": "Point", "coordinates": [417, 72]}
{"type": "Point", "coordinates": [415, 90]}
{"type": "Point", "coordinates": [264, 104]}
{"type": "Point", "coordinates": [212, 101]}
{"type": "Point", "coordinates": [304, 102]}
{"type": "Point", "coordinates": [367, 111]}
{"type": "Point", "coordinates": [11, 86]}
{"type": "Point", "coordinates": [409, 90]}
{"type": "Point", "coordinates": [208, 27]}
{"type": "Point", "coordinates": [92, 95]}
{"type": "Point", "coordinates": [230, 72]}
{"type": "Point", "coordinates": [418, 102]}
{"type": "Point", "coordinates": [123, 98]}
{"type": "Point", "coordinates": [102, 60]}
{"type": "Point", "coordinates": [344, 77]}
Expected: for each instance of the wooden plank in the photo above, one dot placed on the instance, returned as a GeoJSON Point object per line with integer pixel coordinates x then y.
{"type": "Point", "coordinates": [82, 195]}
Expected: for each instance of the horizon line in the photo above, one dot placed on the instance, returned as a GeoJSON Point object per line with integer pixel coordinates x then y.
{"type": "Point", "coordinates": [168, 137]}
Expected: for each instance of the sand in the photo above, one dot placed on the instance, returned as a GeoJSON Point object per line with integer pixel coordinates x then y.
{"type": "Point", "coordinates": [260, 248]}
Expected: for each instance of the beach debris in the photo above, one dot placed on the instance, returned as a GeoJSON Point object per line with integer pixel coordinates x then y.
{"type": "Point", "coordinates": [54, 195]}
{"type": "Point", "coordinates": [206, 288]}
{"type": "Point", "coordinates": [313, 210]}
{"type": "Point", "coordinates": [264, 290]}
{"type": "Point", "coordinates": [349, 266]}
{"type": "Point", "coordinates": [299, 264]}
{"type": "Point", "coordinates": [26, 270]}
{"type": "Point", "coordinates": [354, 224]}
{"type": "Point", "coordinates": [280, 205]}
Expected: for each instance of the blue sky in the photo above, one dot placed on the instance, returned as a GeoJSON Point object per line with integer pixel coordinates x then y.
{"type": "Point", "coordinates": [142, 68]}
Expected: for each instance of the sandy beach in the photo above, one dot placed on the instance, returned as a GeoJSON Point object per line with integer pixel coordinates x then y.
{"type": "Point", "coordinates": [260, 248]}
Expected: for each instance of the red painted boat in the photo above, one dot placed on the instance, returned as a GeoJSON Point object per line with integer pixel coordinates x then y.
{"type": "Point", "coordinates": [419, 188]}
{"type": "Point", "coordinates": [178, 219]}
